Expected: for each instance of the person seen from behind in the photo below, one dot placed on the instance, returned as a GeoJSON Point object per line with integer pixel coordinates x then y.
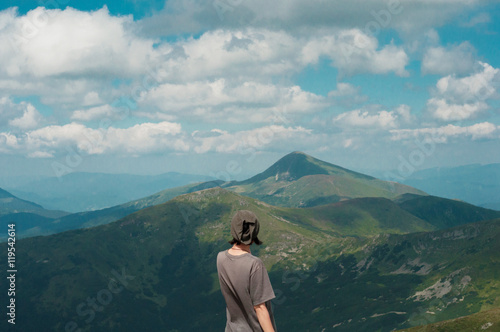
{"type": "Point", "coordinates": [244, 281]}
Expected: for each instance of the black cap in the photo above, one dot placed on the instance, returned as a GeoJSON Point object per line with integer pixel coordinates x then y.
{"type": "Point", "coordinates": [245, 227]}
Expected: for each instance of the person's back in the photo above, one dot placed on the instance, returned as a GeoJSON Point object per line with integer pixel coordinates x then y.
{"type": "Point", "coordinates": [244, 280]}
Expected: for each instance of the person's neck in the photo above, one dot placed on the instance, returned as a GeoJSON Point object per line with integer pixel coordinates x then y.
{"type": "Point", "coordinates": [241, 248]}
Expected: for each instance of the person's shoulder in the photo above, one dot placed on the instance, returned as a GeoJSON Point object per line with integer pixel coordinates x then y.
{"type": "Point", "coordinates": [257, 263]}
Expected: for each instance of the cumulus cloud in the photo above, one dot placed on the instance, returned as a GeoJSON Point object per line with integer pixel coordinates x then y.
{"type": "Point", "coordinates": [51, 42]}
{"type": "Point", "coordinates": [484, 130]}
{"type": "Point", "coordinates": [455, 59]}
{"type": "Point", "coordinates": [21, 115]}
{"type": "Point", "coordinates": [94, 113]}
{"type": "Point", "coordinates": [214, 101]}
{"type": "Point", "coordinates": [145, 138]}
{"type": "Point", "coordinates": [354, 52]}
{"type": "Point", "coordinates": [443, 110]}
{"type": "Point", "coordinates": [381, 119]}
{"type": "Point", "coordinates": [8, 142]}
{"type": "Point", "coordinates": [192, 16]}
{"type": "Point", "coordinates": [31, 118]}
{"type": "Point", "coordinates": [71, 60]}
{"type": "Point", "coordinates": [237, 54]}
{"type": "Point", "coordinates": [466, 97]}
{"type": "Point", "coordinates": [66, 56]}
{"type": "Point", "coordinates": [225, 142]}
{"type": "Point", "coordinates": [139, 139]}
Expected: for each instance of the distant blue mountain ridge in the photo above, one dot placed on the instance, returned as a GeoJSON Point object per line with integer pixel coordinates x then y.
{"type": "Point", "coordinates": [476, 184]}
{"type": "Point", "coordinates": [80, 191]}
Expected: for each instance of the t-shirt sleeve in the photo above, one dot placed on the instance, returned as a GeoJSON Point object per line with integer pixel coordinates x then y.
{"type": "Point", "coordinates": [260, 286]}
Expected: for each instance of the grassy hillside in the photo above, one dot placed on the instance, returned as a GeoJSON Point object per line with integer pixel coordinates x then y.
{"type": "Point", "coordinates": [362, 217]}
{"type": "Point", "coordinates": [155, 270]}
{"type": "Point", "coordinates": [445, 213]}
{"type": "Point", "coordinates": [488, 320]}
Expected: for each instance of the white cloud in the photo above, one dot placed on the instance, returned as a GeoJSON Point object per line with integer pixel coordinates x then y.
{"type": "Point", "coordinates": [140, 139]}
{"type": "Point", "coordinates": [344, 89]}
{"type": "Point", "coordinates": [8, 142]}
{"type": "Point", "coordinates": [51, 42]}
{"type": "Point", "coordinates": [259, 54]}
{"type": "Point", "coordinates": [354, 52]}
{"type": "Point", "coordinates": [442, 110]}
{"type": "Point", "coordinates": [404, 112]}
{"type": "Point", "coordinates": [93, 113]}
{"type": "Point", "coordinates": [215, 101]}
{"type": "Point", "coordinates": [22, 115]}
{"type": "Point", "coordinates": [225, 142]}
{"type": "Point", "coordinates": [477, 86]}
{"type": "Point", "coordinates": [456, 59]}
{"type": "Point", "coordinates": [31, 118]}
{"type": "Point", "coordinates": [374, 120]}
{"type": "Point", "coordinates": [69, 59]}
{"type": "Point", "coordinates": [368, 15]}
{"type": "Point", "coordinates": [466, 97]}
{"type": "Point", "coordinates": [91, 98]}
{"type": "Point", "coordinates": [442, 134]}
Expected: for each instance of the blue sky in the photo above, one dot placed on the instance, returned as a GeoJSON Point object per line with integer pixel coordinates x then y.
{"type": "Point", "coordinates": [201, 86]}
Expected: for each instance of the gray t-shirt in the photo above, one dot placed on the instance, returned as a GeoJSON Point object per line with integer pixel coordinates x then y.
{"type": "Point", "coordinates": [244, 282]}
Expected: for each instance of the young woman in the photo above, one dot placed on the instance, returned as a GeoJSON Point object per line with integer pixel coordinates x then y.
{"type": "Point", "coordinates": [243, 279]}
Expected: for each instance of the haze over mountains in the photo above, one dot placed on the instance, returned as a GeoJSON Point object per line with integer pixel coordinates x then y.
{"type": "Point", "coordinates": [476, 184]}
{"type": "Point", "coordinates": [78, 192]}
{"type": "Point", "coordinates": [345, 251]}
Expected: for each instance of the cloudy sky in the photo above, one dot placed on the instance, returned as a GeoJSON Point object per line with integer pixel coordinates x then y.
{"type": "Point", "coordinates": [226, 87]}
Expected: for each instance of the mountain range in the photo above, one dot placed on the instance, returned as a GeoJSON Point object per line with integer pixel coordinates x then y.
{"type": "Point", "coordinates": [26, 214]}
{"type": "Point", "coordinates": [296, 180]}
{"type": "Point", "coordinates": [393, 260]}
{"type": "Point", "coordinates": [79, 191]}
{"type": "Point", "coordinates": [476, 184]}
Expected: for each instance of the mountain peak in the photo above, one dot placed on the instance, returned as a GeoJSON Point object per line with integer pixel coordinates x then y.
{"type": "Point", "coordinates": [291, 167]}
{"type": "Point", "coordinates": [298, 164]}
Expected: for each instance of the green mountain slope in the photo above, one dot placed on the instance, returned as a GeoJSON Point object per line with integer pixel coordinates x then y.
{"type": "Point", "coordinates": [397, 281]}
{"type": "Point", "coordinates": [299, 180]}
{"type": "Point", "coordinates": [155, 269]}
{"type": "Point", "coordinates": [488, 320]}
{"type": "Point", "coordinates": [444, 213]}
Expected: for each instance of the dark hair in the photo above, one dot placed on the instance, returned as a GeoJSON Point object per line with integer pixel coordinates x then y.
{"type": "Point", "coordinates": [256, 241]}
